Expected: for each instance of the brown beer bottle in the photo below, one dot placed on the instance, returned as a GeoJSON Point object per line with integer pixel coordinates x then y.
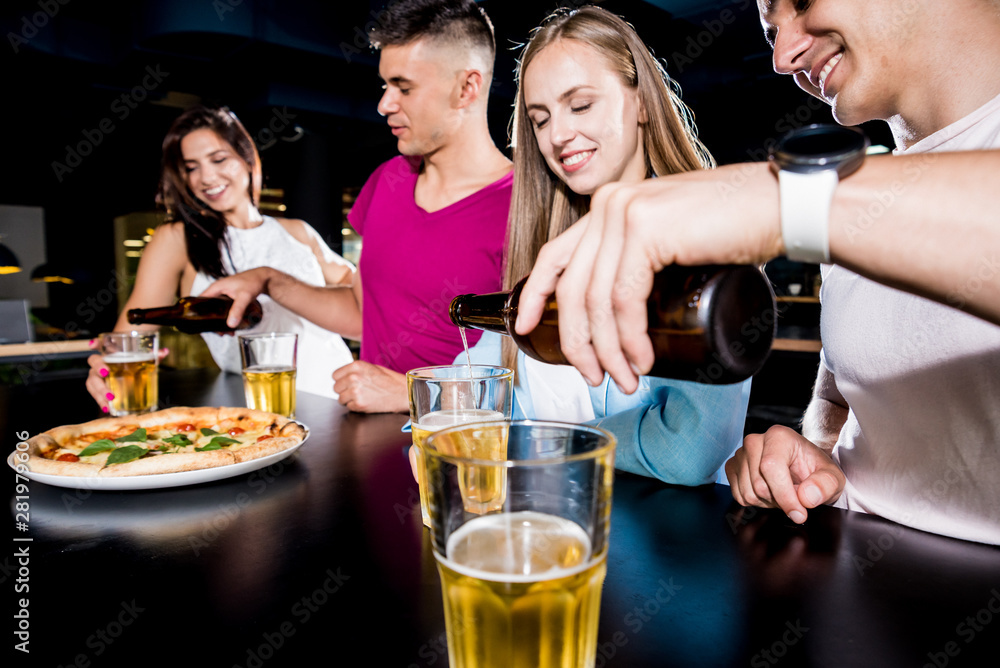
{"type": "Point", "coordinates": [711, 324]}
{"type": "Point", "coordinates": [195, 315]}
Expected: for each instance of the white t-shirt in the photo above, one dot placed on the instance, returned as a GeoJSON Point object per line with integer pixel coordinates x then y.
{"type": "Point", "coordinates": [319, 351]}
{"type": "Point", "coordinates": [921, 445]}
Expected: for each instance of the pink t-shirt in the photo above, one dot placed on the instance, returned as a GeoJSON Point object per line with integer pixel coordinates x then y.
{"type": "Point", "coordinates": [413, 263]}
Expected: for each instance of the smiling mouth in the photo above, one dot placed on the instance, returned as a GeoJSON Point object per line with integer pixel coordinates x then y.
{"type": "Point", "coordinates": [830, 65]}
{"type": "Point", "coordinates": [576, 158]}
{"type": "Point", "coordinates": [213, 192]}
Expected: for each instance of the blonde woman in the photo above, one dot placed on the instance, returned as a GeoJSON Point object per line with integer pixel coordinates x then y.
{"type": "Point", "coordinates": [594, 107]}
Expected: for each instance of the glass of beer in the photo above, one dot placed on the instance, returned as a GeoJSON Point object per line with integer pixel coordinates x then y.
{"type": "Point", "coordinates": [269, 371]}
{"type": "Point", "coordinates": [442, 396]}
{"type": "Point", "coordinates": [522, 584]}
{"type": "Point", "coordinates": [132, 360]}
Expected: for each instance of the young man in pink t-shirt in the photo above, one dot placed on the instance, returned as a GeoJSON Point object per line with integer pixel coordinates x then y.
{"type": "Point", "coordinates": [433, 219]}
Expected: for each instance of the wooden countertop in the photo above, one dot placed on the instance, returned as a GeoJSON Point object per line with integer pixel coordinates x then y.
{"type": "Point", "coordinates": [44, 348]}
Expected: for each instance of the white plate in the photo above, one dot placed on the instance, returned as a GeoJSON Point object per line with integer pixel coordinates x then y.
{"type": "Point", "coordinates": [159, 480]}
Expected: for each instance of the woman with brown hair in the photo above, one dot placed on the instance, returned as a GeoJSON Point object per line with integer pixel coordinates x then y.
{"type": "Point", "coordinates": [595, 107]}
{"type": "Point", "coordinates": [210, 187]}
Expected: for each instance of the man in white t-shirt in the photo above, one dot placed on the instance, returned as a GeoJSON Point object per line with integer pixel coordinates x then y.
{"type": "Point", "coordinates": [905, 417]}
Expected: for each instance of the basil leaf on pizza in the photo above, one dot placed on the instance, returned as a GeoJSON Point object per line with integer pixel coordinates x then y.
{"type": "Point", "coordinates": [217, 443]}
{"type": "Point", "coordinates": [96, 447]}
{"type": "Point", "coordinates": [139, 435]}
{"type": "Point", "coordinates": [205, 431]}
{"type": "Point", "coordinates": [126, 453]}
{"type": "Point", "coordinates": [177, 439]}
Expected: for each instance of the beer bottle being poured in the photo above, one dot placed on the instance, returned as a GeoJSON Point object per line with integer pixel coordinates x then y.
{"type": "Point", "coordinates": [710, 324]}
{"type": "Point", "coordinates": [195, 315]}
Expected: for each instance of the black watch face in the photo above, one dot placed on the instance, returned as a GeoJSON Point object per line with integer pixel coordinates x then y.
{"type": "Point", "coordinates": [818, 147]}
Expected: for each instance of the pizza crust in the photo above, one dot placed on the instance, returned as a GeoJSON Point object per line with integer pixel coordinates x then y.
{"type": "Point", "coordinates": [169, 463]}
{"type": "Point", "coordinates": [43, 448]}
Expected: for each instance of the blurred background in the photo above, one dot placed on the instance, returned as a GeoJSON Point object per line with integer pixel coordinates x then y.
{"type": "Point", "coordinates": [90, 89]}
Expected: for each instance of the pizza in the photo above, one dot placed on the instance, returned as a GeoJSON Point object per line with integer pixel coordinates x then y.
{"type": "Point", "coordinates": [167, 441]}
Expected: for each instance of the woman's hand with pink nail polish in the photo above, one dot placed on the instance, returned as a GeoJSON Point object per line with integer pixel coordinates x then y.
{"type": "Point", "coordinates": [96, 384]}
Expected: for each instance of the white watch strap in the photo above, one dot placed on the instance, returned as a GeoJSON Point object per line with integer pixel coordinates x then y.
{"type": "Point", "coordinates": [805, 214]}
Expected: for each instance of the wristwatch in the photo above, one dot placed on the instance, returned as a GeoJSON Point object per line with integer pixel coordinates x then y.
{"type": "Point", "coordinates": [811, 161]}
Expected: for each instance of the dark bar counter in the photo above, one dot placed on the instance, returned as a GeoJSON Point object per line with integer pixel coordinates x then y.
{"type": "Point", "coordinates": [321, 558]}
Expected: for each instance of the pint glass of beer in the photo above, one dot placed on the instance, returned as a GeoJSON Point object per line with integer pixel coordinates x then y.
{"type": "Point", "coordinates": [442, 396]}
{"type": "Point", "coordinates": [132, 360]}
{"type": "Point", "coordinates": [269, 363]}
{"type": "Point", "coordinates": [522, 584]}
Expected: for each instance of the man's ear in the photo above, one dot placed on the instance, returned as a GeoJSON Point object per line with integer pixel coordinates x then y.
{"type": "Point", "coordinates": [471, 82]}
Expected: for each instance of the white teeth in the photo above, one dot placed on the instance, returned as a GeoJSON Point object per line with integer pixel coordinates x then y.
{"type": "Point", "coordinates": [576, 158]}
{"type": "Point", "coordinates": [829, 68]}
{"type": "Point", "coordinates": [216, 190]}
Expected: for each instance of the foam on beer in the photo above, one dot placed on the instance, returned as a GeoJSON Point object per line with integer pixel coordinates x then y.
{"type": "Point", "coordinates": [451, 417]}
{"type": "Point", "coordinates": [125, 358]}
{"type": "Point", "coordinates": [521, 547]}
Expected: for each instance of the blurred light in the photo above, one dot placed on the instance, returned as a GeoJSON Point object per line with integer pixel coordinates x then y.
{"type": "Point", "coordinates": [134, 243]}
{"type": "Point", "coordinates": [46, 273]}
{"type": "Point", "coordinates": [9, 264]}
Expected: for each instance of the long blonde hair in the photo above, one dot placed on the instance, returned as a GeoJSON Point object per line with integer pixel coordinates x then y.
{"type": "Point", "coordinates": [542, 206]}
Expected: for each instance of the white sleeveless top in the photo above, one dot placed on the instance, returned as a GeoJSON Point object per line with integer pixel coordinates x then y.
{"type": "Point", "coordinates": [270, 245]}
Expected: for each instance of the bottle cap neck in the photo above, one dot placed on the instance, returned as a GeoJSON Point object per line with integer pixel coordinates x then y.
{"type": "Point", "coordinates": [484, 312]}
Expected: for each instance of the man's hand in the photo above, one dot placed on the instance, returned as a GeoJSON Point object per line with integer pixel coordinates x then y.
{"type": "Point", "coordinates": [369, 388]}
{"type": "Point", "coordinates": [601, 270]}
{"type": "Point", "coordinates": [781, 469]}
{"type": "Point", "coordinates": [242, 288]}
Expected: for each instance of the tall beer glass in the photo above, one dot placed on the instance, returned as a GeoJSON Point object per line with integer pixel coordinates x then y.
{"type": "Point", "coordinates": [132, 360]}
{"type": "Point", "coordinates": [269, 367]}
{"type": "Point", "coordinates": [442, 396]}
{"type": "Point", "coordinates": [522, 584]}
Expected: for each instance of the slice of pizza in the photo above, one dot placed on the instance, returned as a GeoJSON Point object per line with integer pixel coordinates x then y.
{"type": "Point", "coordinates": [168, 441]}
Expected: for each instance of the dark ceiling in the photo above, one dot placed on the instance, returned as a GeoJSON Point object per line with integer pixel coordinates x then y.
{"type": "Point", "coordinates": [91, 87]}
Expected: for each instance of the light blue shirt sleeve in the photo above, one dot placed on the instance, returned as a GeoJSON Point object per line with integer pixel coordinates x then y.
{"type": "Point", "coordinates": [677, 431]}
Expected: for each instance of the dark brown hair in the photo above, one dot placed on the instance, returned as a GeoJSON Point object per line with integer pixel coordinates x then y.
{"type": "Point", "coordinates": [450, 21]}
{"type": "Point", "coordinates": [204, 229]}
